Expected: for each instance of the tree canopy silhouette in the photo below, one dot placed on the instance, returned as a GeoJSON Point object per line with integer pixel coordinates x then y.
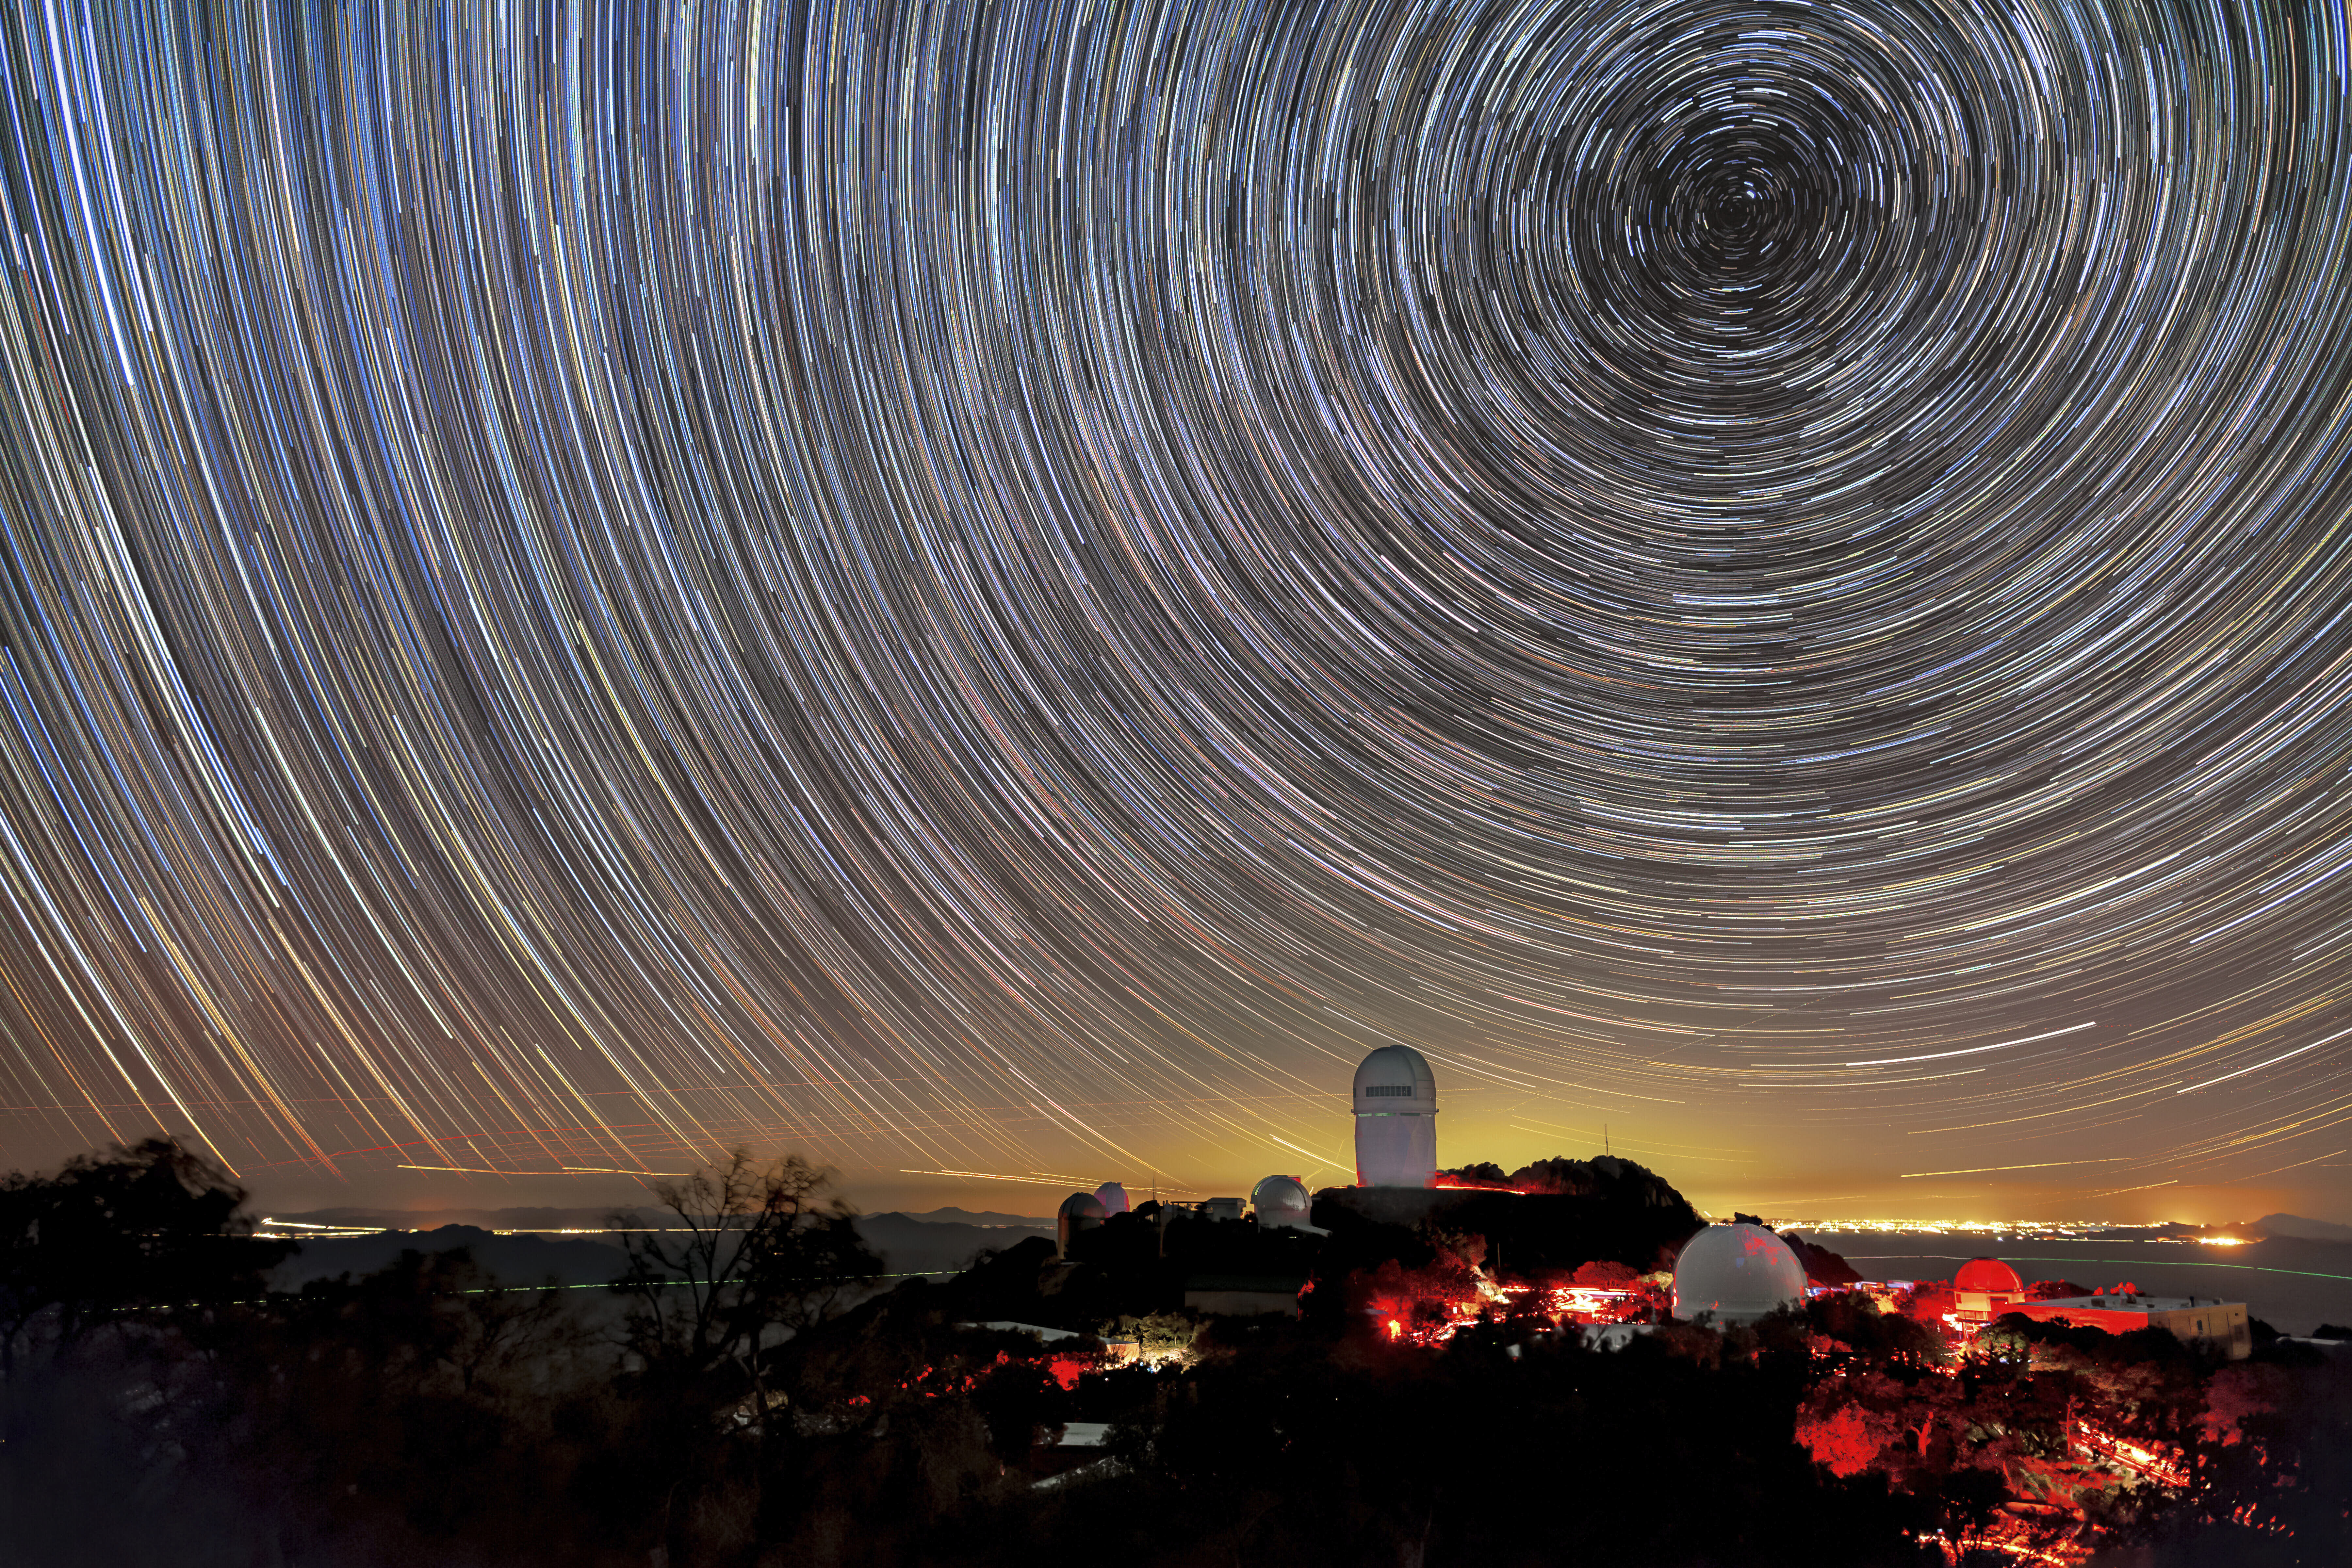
{"type": "Point", "coordinates": [749, 1248]}
{"type": "Point", "coordinates": [147, 1227]}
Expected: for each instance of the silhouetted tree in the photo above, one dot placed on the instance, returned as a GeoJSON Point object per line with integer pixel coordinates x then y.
{"type": "Point", "coordinates": [102, 1266]}
{"type": "Point", "coordinates": [1601, 1273]}
{"type": "Point", "coordinates": [146, 1227]}
{"type": "Point", "coordinates": [752, 1250]}
{"type": "Point", "coordinates": [450, 1316]}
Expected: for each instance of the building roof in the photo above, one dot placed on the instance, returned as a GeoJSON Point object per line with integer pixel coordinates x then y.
{"type": "Point", "coordinates": [1284, 1192]}
{"type": "Point", "coordinates": [1990, 1275]}
{"type": "Point", "coordinates": [1395, 1077]}
{"type": "Point", "coordinates": [2134, 1303]}
{"type": "Point", "coordinates": [1040, 1329]}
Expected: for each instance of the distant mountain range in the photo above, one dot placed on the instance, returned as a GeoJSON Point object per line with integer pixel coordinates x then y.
{"type": "Point", "coordinates": [924, 1244]}
{"type": "Point", "coordinates": [582, 1218]}
{"type": "Point", "coordinates": [484, 1219]}
{"type": "Point", "coordinates": [937, 1242]}
{"type": "Point", "coordinates": [512, 1260]}
{"type": "Point", "coordinates": [985, 1216]}
{"type": "Point", "coordinates": [2304, 1230]}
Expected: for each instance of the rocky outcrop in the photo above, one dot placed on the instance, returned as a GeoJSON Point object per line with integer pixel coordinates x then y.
{"type": "Point", "coordinates": [1553, 1214]}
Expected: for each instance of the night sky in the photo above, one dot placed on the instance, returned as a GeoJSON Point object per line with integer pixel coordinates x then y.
{"type": "Point", "coordinates": [1009, 587]}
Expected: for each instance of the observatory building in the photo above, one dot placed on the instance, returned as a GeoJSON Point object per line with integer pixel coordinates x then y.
{"type": "Point", "coordinates": [1985, 1288]}
{"type": "Point", "coordinates": [2120, 1308]}
{"type": "Point", "coordinates": [1738, 1272]}
{"type": "Point", "coordinates": [1113, 1198]}
{"type": "Point", "coordinates": [1396, 1120]}
{"type": "Point", "coordinates": [1079, 1213]}
{"type": "Point", "coordinates": [1281, 1203]}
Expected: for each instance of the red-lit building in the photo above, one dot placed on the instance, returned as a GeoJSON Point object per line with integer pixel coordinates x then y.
{"type": "Point", "coordinates": [2193, 1319]}
{"type": "Point", "coordinates": [1983, 1289]}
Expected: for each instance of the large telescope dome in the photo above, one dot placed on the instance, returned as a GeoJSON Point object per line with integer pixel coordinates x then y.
{"type": "Point", "coordinates": [1079, 1212]}
{"type": "Point", "coordinates": [1280, 1201]}
{"type": "Point", "coordinates": [1395, 1102]}
{"type": "Point", "coordinates": [1396, 1072]}
{"type": "Point", "coordinates": [1112, 1195]}
{"type": "Point", "coordinates": [1736, 1272]}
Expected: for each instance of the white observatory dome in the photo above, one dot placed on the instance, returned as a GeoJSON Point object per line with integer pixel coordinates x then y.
{"type": "Point", "coordinates": [1738, 1273]}
{"type": "Point", "coordinates": [1280, 1201]}
{"type": "Point", "coordinates": [1113, 1198]}
{"type": "Point", "coordinates": [1395, 1103]}
{"type": "Point", "coordinates": [1399, 1073]}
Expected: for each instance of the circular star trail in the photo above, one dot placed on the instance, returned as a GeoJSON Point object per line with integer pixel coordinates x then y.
{"type": "Point", "coordinates": [1009, 587]}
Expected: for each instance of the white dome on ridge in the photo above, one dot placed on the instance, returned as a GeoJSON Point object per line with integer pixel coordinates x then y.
{"type": "Point", "coordinates": [1391, 1068]}
{"type": "Point", "coordinates": [1736, 1272]}
{"type": "Point", "coordinates": [1281, 1201]}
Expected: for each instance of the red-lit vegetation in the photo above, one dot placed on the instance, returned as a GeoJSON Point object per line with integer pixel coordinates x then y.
{"type": "Point", "coordinates": [1430, 1404]}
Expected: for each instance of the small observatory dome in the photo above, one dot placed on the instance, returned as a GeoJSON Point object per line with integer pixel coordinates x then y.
{"type": "Point", "coordinates": [1739, 1272]}
{"type": "Point", "coordinates": [1280, 1201]}
{"type": "Point", "coordinates": [1113, 1198]}
{"type": "Point", "coordinates": [1395, 1102]}
{"type": "Point", "coordinates": [1990, 1275]}
{"type": "Point", "coordinates": [1079, 1211]}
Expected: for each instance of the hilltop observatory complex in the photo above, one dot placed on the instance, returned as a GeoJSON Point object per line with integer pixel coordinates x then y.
{"type": "Point", "coordinates": [1396, 1120]}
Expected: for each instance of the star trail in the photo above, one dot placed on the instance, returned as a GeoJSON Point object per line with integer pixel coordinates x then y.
{"type": "Point", "coordinates": [1008, 587]}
